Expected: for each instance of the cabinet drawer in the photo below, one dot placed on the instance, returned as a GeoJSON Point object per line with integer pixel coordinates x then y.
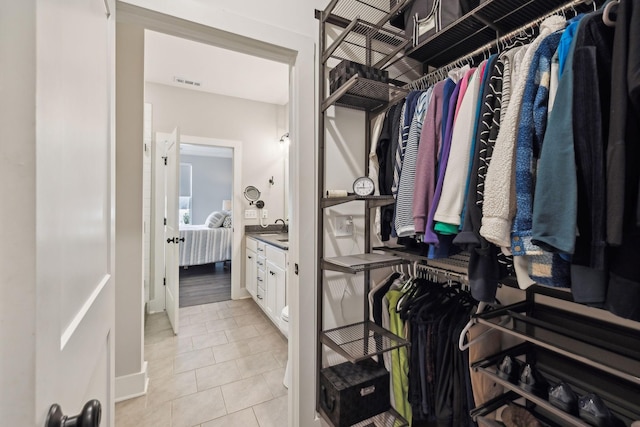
{"type": "Point", "coordinates": [252, 244]}
{"type": "Point", "coordinates": [260, 277]}
{"type": "Point", "coordinates": [277, 257]}
{"type": "Point", "coordinates": [261, 246]}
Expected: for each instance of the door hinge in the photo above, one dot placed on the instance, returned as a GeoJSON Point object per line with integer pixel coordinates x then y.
{"type": "Point", "coordinates": [165, 160]}
{"type": "Point", "coordinates": [165, 221]}
{"type": "Point", "coordinates": [164, 281]}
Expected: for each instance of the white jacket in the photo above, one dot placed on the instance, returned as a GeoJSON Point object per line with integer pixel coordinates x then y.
{"type": "Point", "coordinates": [499, 206]}
{"type": "Point", "coordinates": [455, 178]}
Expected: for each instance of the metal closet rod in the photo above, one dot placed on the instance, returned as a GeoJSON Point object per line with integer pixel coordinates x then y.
{"type": "Point", "coordinates": [487, 47]}
{"type": "Point", "coordinates": [442, 273]}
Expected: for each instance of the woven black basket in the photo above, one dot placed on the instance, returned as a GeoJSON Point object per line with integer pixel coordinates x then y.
{"type": "Point", "coordinates": [353, 392]}
{"type": "Point", "coordinates": [347, 69]}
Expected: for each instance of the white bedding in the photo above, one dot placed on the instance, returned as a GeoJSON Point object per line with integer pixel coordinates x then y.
{"type": "Point", "coordinates": [204, 245]}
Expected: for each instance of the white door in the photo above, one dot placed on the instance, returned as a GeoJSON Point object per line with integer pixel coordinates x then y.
{"type": "Point", "coordinates": [171, 230]}
{"type": "Point", "coordinates": [75, 205]}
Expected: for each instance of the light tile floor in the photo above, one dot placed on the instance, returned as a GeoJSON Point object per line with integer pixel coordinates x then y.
{"type": "Point", "coordinates": [225, 368]}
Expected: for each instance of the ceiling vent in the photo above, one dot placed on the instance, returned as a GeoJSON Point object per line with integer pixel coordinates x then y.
{"type": "Point", "coordinates": [187, 82]}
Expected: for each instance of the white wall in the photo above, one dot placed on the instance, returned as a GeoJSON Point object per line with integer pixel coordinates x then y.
{"type": "Point", "coordinates": [211, 183]}
{"type": "Point", "coordinates": [129, 340]}
{"type": "Point", "coordinates": [256, 124]}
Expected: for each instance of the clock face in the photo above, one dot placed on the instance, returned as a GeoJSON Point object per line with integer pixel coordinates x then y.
{"type": "Point", "coordinates": [363, 186]}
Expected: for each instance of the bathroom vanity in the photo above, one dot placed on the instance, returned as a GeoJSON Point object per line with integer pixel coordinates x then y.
{"type": "Point", "coordinates": [266, 271]}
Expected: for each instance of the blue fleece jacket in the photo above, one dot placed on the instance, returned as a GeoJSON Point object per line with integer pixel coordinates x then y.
{"type": "Point", "coordinates": [531, 130]}
{"type": "Point", "coordinates": [556, 191]}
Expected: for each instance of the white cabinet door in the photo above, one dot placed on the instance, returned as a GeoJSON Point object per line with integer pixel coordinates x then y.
{"type": "Point", "coordinates": [281, 290]}
{"type": "Point", "coordinates": [270, 289]}
{"type": "Point", "coordinates": [275, 291]}
{"type": "Point", "coordinates": [251, 273]}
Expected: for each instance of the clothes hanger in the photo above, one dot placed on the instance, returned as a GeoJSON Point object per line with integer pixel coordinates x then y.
{"type": "Point", "coordinates": [463, 335]}
{"type": "Point", "coordinates": [606, 13]}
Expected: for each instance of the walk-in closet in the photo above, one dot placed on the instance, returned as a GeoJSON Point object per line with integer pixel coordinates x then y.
{"type": "Point", "coordinates": [487, 273]}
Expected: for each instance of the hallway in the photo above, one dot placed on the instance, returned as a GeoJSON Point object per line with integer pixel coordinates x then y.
{"type": "Point", "coordinates": [224, 369]}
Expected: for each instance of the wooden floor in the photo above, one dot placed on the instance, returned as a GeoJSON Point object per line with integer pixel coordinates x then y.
{"type": "Point", "coordinates": [204, 284]}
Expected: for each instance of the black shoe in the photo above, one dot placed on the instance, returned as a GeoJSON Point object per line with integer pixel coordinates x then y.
{"type": "Point", "coordinates": [592, 409]}
{"type": "Point", "coordinates": [533, 382]}
{"type": "Point", "coordinates": [561, 396]}
{"type": "Point", "coordinates": [509, 369]}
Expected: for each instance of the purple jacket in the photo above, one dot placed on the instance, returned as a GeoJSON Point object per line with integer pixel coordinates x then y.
{"type": "Point", "coordinates": [429, 235]}
{"type": "Point", "coordinates": [430, 141]}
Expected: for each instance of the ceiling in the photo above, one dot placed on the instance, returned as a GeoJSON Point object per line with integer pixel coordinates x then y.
{"type": "Point", "coordinates": [168, 58]}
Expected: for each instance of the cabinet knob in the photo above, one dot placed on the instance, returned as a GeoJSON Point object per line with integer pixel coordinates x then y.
{"type": "Point", "coordinates": [89, 417]}
{"type": "Point", "coordinates": [272, 273]}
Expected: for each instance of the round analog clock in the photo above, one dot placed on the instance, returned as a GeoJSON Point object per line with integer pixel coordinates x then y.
{"type": "Point", "coordinates": [363, 186]}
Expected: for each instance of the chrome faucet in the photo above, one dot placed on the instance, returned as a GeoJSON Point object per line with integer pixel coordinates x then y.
{"type": "Point", "coordinates": [285, 228]}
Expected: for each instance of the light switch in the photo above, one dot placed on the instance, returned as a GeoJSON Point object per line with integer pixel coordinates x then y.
{"type": "Point", "coordinates": [250, 214]}
{"type": "Point", "coordinates": [344, 226]}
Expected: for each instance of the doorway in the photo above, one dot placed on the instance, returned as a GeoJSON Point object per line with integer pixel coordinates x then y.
{"type": "Point", "coordinates": [203, 246]}
{"type": "Point", "coordinates": [267, 41]}
{"type": "Point", "coordinates": [218, 100]}
{"type": "Point", "coordinates": [206, 187]}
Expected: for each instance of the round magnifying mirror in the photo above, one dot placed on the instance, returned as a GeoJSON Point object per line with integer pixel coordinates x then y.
{"type": "Point", "coordinates": [251, 193]}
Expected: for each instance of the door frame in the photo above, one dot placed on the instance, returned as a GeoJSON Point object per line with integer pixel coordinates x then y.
{"type": "Point", "coordinates": [237, 290]}
{"type": "Point", "coordinates": [246, 35]}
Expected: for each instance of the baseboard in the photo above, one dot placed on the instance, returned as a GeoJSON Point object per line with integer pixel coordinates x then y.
{"type": "Point", "coordinates": [132, 385]}
{"type": "Point", "coordinates": [155, 305]}
{"type": "Point", "coordinates": [241, 293]}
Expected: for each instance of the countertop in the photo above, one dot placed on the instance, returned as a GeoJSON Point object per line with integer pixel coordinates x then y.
{"type": "Point", "coordinates": [279, 240]}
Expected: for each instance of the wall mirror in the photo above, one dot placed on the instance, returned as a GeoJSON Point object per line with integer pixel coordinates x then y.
{"type": "Point", "coordinates": [252, 194]}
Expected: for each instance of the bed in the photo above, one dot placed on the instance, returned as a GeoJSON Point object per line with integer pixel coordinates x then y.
{"type": "Point", "coordinates": [204, 245]}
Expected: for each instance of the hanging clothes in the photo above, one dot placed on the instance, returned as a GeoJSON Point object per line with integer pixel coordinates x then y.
{"type": "Point", "coordinates": [623, 175]}
{"type": "Point", "coordinates": [499, 202]}
{"type": "Point", "coordinates": [439, 380]}
{"type": "Point", "coordinates": [522, 157]}
{"type": "Point", "coordinates": [484, 269]}
{"type": "Point", "coordinates": [428, 148]}
{"type": "Point", "coordinates": [387, 145]}
{"type": "Point", "coordinates": [404, 202]}
{"type": "Point", "coordinates": [374, 165]}
{"type": "Point", "coordinates": [447, 215]}
{"type": "Point", "coordinates": [399, 358]}
{"type": "Point", "coordinates": [430, 236]}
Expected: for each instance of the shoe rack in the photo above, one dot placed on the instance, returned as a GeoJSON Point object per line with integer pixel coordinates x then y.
{"type": "Point", "coordinates": [589, 354]}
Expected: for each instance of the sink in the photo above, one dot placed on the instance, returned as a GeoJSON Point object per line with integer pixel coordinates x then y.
{"type": "Point", "coordinates": [283, 240]}
{"type": "Point", "coordinates": [267, 234]}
